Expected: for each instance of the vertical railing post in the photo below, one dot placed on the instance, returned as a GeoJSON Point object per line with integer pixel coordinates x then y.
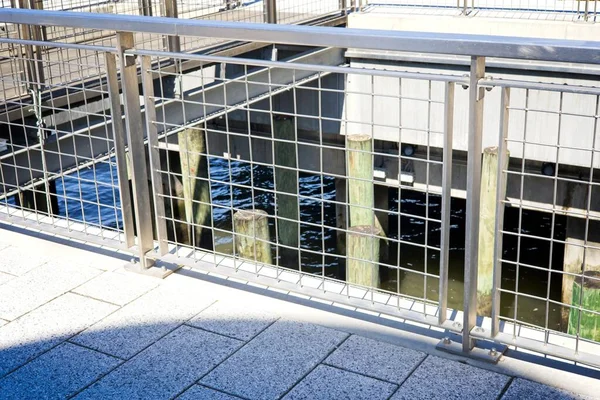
{"type": "Point", "coordinates": [135, 140]}
{"type": "Point", "coordinates": [33, 66]}
{"type": "Point", "coordinates": [476, 94]}
{"type": "Point", "coordinates": [499, 224]}
{"type": "Point", "coordinates": [270, 10]}
{"type": "Point", "coordinates": [171, 11]}
{"type": "Point", "coordinates": [120, 143]}
{"type": "Point", "coordinates": [154, 155]}
{"type": "Point", "coordinates": [446, 199]}
{"type": "Point", "coordinates": [343, 6]}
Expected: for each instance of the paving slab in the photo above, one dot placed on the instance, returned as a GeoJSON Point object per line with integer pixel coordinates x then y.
{"type": "Point", "coordinates": [145, 320]}
{"type": "Point", "coordinates": [3, 322]}
{"type": "Point", "coordinates": [40, 330]}
{"type": "Point", "coordinates": [521, 389]}
{"type": "Point", "coordinates": [57, 374]}
{"type": "Point", "coordinates": [239, 321]}
{"type": "Point", "coordinates": [4, 277]}
{"type": "Point", "coordinates": [439, 378]}
{"type": "Point", "coordinates": [201, 392]}
{"type": "Point", "coordinates": [16, 260]}
{"type": "Point", "coordinates": [117, 288]}
{"type": "Point", "coordinates": [271, 363]}
{"type": "Point", "coordinates": [165, 368]}
{"type": "Point", "coordinates": [39, 286]}
{"type": "Point", "coordinates": [329, 383]}
{"type": "Point", "coordinates": [376, 359]}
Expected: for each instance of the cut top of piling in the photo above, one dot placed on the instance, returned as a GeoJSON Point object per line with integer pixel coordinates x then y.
{"type": "Point", "coordinates": [360, 137]}
{"type": "Point", "coordinates": [248, 215]}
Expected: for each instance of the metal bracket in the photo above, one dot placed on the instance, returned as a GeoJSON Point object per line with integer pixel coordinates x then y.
{"type": "Point", "coordinates": [158, 270]}
{"type": "Point", "coordinates": [491, 355]}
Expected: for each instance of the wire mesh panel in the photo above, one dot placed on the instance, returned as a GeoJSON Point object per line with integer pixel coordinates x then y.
{"type": "Point", "coordinates": [294, 11]}
{"type": "Point", "coordinates": [271, 168]}
{"type": "Point", "coordinates": [548, 235]}
{"type": "Point", "coordinates": [57, 165]}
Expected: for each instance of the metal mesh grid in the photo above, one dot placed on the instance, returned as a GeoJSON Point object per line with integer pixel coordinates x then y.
{"type": "Point", "coordinates": [294, 11]}
{"type": "Point", "coordinates": [557, 132]}
{"type": "Point", "coordinates": [585, 10]}
{"type": "Point", "coordinates": [241, 109]}
{"type": "Point", "coordinates": [58, 168]}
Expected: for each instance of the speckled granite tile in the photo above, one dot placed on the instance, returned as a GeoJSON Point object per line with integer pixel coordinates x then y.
{"type": "Point", "coordinates": [198, 392]}
{"type": "Point", "coordinates": [521, 389]}
{"type": "Point", "coordinates": [117, 288]}
{"type": "Point", "coordinates": [47, 326]}
{"type": "Point", "coordinates": [5, 277]}
{"type": "Point", "coordinates": [165, 368]}
{"type": "Point", "coordinates": [39, 286]}
{"type": "Point", "coordinates": [234, 320]}
{"type": "Point", "coordinates": [3, 322]}
{"type": "Point", "coordinates": [57, 374]}
{"type": "Point", "coordinates": [439, 378]}
{"type": "Point", "coordinates": [272, 362]}
{"type": "Point", "coordinates": [18, 261]}
{"type": "Point", "coordinates": [329, 383]}
{"type": "Point", "coordinates": [143, 321]}
{"type": "Point", "coordinates": [375, 359]}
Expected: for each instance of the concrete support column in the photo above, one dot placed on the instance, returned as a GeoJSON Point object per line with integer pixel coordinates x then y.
{"type": "Point", "coordinates": [487, 229]}
{"type": "Point", "coordinates": [578, 252]}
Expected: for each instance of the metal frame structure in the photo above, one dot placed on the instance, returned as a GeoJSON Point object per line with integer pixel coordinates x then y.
{"type": "Point", "coordinates": [228, 100]}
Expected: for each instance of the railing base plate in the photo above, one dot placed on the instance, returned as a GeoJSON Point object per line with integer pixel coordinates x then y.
{"type": "Point", "coordinates": [160, 271]}
{"type": "Point", "coordinates": [491, 355]}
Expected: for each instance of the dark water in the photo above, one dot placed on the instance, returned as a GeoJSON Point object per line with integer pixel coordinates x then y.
{"type": "Point", "coordinates": [237, 185]}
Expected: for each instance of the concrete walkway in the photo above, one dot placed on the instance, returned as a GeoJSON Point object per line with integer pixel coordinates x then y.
{"type": "Point", "coordinates": [73, 323]}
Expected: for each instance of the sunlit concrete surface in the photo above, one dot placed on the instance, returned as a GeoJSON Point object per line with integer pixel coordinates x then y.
{"type": "Point", "coordinates": [73, 323]}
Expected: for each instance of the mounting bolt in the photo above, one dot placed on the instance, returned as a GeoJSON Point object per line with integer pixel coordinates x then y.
{"type": "Point", "coordinates": [163, 268]}
{"type": "Point", "coordinates": [493, 352]}
{"type": "Point", "coordinates": [457, 325]}
{"type": "Point", "coordinates": [447, 340]}
{"type": "Point", "coordinates": [479, 330]}
{"type": "Point", "coordinates": [133, 261]}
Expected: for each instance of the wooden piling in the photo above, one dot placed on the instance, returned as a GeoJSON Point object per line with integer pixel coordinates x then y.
{"type": "Point", "coordinates": [341, 214]}
{"type": "Point", "coordinates": [286, 180]}
{"type": "Point", "coordinates": [41, 199]}
{"type": "Point", "coordinates": [360, 182]}
{"type": "Point", "coordinates": [586, 293]}
{"type": "Point", "coordinates": [487, 227]}
{"type": "Point", "coordinates": [362, 264]}
{"type": "Point", "coordinates": [194, 170]}
{"type": "Point", "coordinates": [361, 190]}
{"type": "Point", "coordinates": [252, 237]}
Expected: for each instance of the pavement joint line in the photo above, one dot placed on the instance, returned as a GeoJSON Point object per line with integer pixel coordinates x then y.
{"type": "Point", "coordinates": [320, 362]}
{"type": "Point", "coordinates": [94, 350]}
{"type": "Point", "coordinates": [359, 373]}
{"type": "Point", "coordinates": [409, 375]}
{"type": "Point", "coordinates": [217, 333]}
{"type": "Point", "coordinates": [197, 382]}
{"type": "Point", "coordinates": [94, 298]}
{"type": "Point", "coordinates": [505, 388]}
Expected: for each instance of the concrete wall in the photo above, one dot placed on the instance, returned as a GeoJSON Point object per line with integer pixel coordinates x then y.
{"type": "Point", "coordinates": [374, 106]}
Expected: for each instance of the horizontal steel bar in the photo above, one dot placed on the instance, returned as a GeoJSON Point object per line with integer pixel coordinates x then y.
{"type": "Point", "coordinates": [575, 51]}
{"type": "Point", "coordinates": [76, 46]}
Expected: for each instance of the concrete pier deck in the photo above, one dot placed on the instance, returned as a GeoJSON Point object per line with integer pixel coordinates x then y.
{"type": "Point", "coordinates": [73, 323]}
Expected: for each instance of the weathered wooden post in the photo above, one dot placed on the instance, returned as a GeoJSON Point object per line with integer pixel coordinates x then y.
{"type": "Point", "coordinates": [487, 221]}
{"type": "Point", "coordinates": [586, 291]}
{"type": "Point", "coordinates": [361, 190]}
{"type": "Point", "coordinates": [252, 237]}
{"type": "Point", "coordinates": [362, 264]}
{"type": "Point", "coordinates": [194, 171]}
{"type": "Point", "coordinates": [360, 182]}
{"type": "Point", "coordinates": [286, 180]}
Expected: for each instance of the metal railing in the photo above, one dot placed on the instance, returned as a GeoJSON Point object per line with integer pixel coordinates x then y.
{"type": "Point", "coordinates": [562, 10]}
{"type": "Point", "coordinates": [294, 169]}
